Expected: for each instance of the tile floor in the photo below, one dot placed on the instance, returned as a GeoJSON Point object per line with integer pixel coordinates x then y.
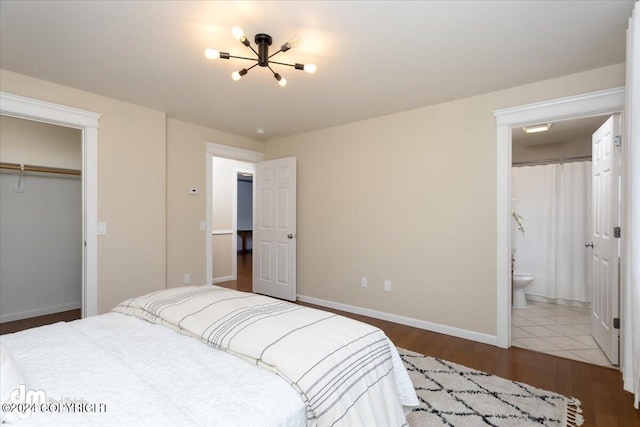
{"type": "Point", "coordinates": [556, 329]}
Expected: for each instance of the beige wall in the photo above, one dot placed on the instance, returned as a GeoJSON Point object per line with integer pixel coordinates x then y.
{"type": "Point", "coordinates": [41, 144]}
{"type": "Point", "coordinates": [223, 180]}
{"type": "Point", "coordinates": [186, 167]}
{"type": "Point", "coordinates": [408, 197]}
{"type": "Point", "coordinates": [146, 164]}
{"type": "Point", "coordinates": [131, 187]}
{"type": "Point", "coordinates": [411, 197]}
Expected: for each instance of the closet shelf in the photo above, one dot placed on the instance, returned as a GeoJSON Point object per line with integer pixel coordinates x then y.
{"type": "Point", "coordinates": [43, 169]}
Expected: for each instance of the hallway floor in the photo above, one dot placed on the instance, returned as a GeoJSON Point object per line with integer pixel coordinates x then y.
{"type": "Point", "coordinates": [558, 330]}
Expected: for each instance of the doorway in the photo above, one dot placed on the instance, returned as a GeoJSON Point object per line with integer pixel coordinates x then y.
{"type": "Point", "coordinates": [586, 105]}
{"type": "Point", "coordinates": [87, 122]}
{"type": "Point", "coordinates": [231, 215]}
{"type": "Point", "coordinates": [239, 266]}
{"type": "Point", "coordinates": [552, 199]}
{"type": "Point", "coordinates": [41, 219]}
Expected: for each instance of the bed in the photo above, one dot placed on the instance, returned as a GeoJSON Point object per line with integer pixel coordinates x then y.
{"type": "Point", "coordinates": [205, 356]}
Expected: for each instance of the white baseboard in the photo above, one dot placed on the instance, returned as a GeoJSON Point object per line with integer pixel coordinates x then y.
{"type": "Point", "coordinates": [222, 279]}
{"type": "Point", "coordinates": [416, 323]}
{"type": "Point", "coordinates": [10, 317]}
{"type": "Point", "coordinates": [558, 301]}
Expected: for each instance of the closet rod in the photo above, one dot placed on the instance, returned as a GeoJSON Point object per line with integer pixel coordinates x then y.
{"type": "Point", "coordinates": [551, 161]}
{"type": "Point", "coordinates": [44, 169]}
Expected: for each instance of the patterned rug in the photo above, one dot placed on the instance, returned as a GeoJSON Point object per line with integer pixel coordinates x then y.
{"type": "Point", "coordinates": [454, 395]}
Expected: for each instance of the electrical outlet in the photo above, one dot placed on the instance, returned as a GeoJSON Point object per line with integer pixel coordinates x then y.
{"type": "Point", "coordinates": [363, 282]}
{"type": "Point", "coordinates": [387, 285]}
{"type": "Point", "coordinates": [187, 278]}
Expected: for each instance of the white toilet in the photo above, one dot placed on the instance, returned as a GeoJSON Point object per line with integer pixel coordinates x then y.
{"type": "Point", "coordinates": [520, 281]}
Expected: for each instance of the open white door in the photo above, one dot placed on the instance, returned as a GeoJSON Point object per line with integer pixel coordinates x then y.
{"type": "Point", "coordinates": [605, 305]}
{"type": "Point", "coordinates": [274, 229]}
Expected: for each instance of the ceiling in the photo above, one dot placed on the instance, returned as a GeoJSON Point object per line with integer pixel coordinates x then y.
{"type": "Point", "coordinates": [559, 132]}
{"type": "Point", "coordinates": [374, 57]}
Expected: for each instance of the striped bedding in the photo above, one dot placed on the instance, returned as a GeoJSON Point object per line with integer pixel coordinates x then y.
{"type": "Point", "coordinates": [347, 372]}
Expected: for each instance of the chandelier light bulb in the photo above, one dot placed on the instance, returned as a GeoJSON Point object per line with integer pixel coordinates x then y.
{"type": "Point", "coordinates": [310, 68]}
{"type": "Point", "coordinates": [237, 75]}
{"type": "Point", "coordinates": [238, 34]}
{"type": "Point", "coordinates": [211, 54]}
{"type": "Point", "coordinates": [281, 80]}
{"type": "Point", "coordinates": [294, 42]}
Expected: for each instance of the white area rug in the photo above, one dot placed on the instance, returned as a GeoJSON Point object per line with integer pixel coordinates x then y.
{"type": "Point", "coordinates": [454, 395]}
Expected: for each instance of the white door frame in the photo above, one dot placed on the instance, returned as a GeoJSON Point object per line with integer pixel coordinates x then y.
{"type": "Point", "coordinates": [227, 152]}
{"type": "Point", "coordinates": [32, 109]}
{"type": "Point", "coordinates": [603, 102]}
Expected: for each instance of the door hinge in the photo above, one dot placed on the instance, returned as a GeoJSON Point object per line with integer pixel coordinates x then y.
{"type": "Point", "coordinates": [616, 323]}
{"type": "Point", "coordinates": [616, 232]}
{"type": "Point", "coordinates": [617, 141]}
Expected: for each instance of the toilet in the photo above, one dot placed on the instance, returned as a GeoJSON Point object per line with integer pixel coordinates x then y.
{"type": "Point", "coordinates": [520, 281]}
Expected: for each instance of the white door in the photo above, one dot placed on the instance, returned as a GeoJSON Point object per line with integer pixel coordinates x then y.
{"type": "Point", "coordinates": [604, 307]}
{"type": "Point", "coordinates": [274, 230]}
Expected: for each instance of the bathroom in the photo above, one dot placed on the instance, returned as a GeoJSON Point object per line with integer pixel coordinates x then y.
{"type": "Point", "coordinates": [551, 188]}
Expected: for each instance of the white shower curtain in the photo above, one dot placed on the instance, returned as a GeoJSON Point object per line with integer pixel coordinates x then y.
{"type": "Point", "coordinates": [555, 202]}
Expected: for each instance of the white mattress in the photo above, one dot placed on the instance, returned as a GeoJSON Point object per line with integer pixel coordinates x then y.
{"type": "Point", "coordinates": [147, 375]}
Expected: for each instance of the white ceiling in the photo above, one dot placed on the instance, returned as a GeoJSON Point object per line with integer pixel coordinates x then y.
{"type": "Point", "coordinates": [373, 57]}
{"type": "Point", "coordinates": [559, 132]}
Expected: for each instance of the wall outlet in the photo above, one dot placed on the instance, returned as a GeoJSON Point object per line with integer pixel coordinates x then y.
{"type": "Point", "coordinates": [363, 282]}
{"type": "Point", "coordinates": [387, 285]}
{"type": "Point", "coordinates": [187, 278]}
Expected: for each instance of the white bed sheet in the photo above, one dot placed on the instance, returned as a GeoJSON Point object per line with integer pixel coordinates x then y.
{"type": "Point", "coordinates": [147, 375]}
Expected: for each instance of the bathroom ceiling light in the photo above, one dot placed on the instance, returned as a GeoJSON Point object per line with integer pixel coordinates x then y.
{"type": "Point", "coordinates": [536, 128]}
{"type": "Point", "coordinates": [263, 58]}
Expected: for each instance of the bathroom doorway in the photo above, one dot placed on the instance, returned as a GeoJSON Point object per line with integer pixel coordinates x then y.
{"type": "Point", "coordinates": [551, 193]}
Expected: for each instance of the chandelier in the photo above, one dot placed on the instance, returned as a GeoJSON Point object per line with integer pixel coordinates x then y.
{"type": "Point", "coordinates": [263, 58]}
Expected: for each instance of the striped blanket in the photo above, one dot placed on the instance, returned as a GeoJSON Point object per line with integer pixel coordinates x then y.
{"type": "Point", "coordinates": [345, 371]}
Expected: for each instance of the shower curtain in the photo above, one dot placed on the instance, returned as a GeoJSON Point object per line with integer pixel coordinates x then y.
{"type": "Point", "coordinates": [555, 202]}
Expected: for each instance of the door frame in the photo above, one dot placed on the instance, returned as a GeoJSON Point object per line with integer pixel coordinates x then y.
{"type": "Point", "coordinates": [231, 153]}
{"type": "Point", "coordinates": [87, 121]}
{"type": "Point", "coordinates": [598, 103]}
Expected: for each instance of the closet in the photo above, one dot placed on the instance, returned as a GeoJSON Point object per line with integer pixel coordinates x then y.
{"type": "Point", "coordinates": [40, 219]}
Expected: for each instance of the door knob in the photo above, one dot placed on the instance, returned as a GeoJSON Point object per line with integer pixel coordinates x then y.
{"type": "Point", "coordinates": [290, 236]}
{"type": "Point", "coordinates": [588, 245]}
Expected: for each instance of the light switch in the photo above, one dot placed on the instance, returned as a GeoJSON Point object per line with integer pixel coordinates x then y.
{"type": "Point", "coordinates": [203, 225]}
{"type": "Point", "coordinates": [102, 228]}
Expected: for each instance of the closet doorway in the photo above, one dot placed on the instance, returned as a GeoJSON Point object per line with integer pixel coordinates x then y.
{"type": "Point", "coordinates": [41, 222]}
{"type": "Point", "coordinates": [87, 122]}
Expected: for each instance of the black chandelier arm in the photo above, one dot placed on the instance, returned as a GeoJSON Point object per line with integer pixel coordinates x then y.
{"type": "Point", "coordinates": [253, 66]}
{"type": "Point", "coordinates": [269, 67]}
{"type": "Point", "coordinates": [254, 51]}
{"type": "Point", "coordinates": [281, 63]}
{"type": "Point", "coordinates": [274, 54]}
{"type": "Point", "coordinates": [242, 57]}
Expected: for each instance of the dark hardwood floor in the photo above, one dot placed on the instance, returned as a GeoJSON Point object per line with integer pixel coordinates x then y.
{"type": "Point", "coordinates": [604, 402]}
{"type": "Point", "coordinates": [19, 325]}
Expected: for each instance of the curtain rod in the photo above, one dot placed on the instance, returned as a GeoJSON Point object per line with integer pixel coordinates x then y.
{"type": "Point", "coordinates": [43, 169]}
{"type": "Point", "coordinates": [552, 161]}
